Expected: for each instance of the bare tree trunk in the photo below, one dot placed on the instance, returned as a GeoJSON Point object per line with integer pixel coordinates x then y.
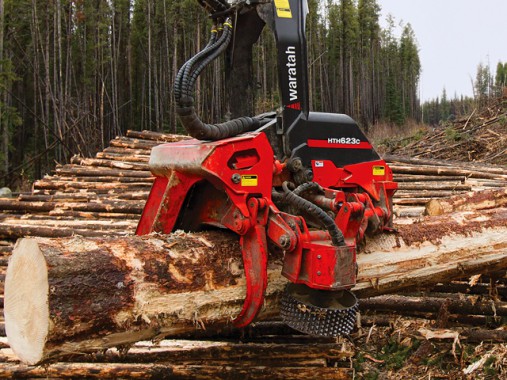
{"type": "Point", "coordinates": [150, 67]}
{"type": "Point", "coordinates": [3, 125]}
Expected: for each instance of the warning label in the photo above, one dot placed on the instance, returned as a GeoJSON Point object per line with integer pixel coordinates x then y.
{"type": "Point", "coordinates": [249, 180]}
{"type": "Point", "coordinates": [379, 170]}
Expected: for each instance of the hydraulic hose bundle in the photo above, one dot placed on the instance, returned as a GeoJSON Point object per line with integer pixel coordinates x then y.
{"type": "Point", "coordinates": [295, 199]}
{"type": "Point", "coordinates": [187, 77]}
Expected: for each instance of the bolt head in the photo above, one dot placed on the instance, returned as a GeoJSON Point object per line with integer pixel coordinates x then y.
{"type": "Point", "coordinates": [236, 178]}
{"type": "Point", "coordinates": [284, 241]}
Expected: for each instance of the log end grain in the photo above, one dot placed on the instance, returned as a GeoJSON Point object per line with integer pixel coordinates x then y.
{"type": "Point", "coordinates": [434, 208]}
{"type": "Point", "coordinates": [26, 301]}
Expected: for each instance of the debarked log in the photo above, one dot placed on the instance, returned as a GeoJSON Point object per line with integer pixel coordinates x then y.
{"type": "Point", "coordinates": [76, 295]}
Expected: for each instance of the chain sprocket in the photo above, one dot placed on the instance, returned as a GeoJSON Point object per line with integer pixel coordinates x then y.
{"type": "Point", "coordinates": [319, 312]}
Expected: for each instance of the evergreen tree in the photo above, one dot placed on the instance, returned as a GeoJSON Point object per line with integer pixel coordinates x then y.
{"type": "Point", "coordinates": [76, 73]}
{"type": "Point", "coordinates": [369, 39]}
{"type": "Point", "coordinates": [410, 71]}
{"type": "Point", "coordinates": [500, 77]}
{"type": "Point", "coordinates": [482, 84]}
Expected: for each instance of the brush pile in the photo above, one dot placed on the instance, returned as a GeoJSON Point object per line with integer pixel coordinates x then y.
{"type": "Point", "coordinates": [479, 137]}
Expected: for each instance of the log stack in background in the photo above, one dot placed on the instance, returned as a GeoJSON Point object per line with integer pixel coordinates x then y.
{"type": "Point", "coordinates": [104, 196]}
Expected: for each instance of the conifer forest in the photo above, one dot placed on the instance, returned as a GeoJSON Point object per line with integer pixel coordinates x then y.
{"type": "Point", "coordinates": [76, 73]}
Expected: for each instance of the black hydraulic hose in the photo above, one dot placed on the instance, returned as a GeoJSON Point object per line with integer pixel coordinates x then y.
{"type": "Point", "coordinates": [190, 77]}
{"type": "Point", "coordinates": [308, 186]}
{"type": "Point", "coordinates": [297, 201]}
{"type": "Point", "coordinates": [185, 103]}
{"type": "Point", "coordinates": [178, 82]}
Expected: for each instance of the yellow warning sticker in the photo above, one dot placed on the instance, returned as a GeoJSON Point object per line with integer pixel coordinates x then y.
{"type": "Point", "coordinates": [379, 170]}
{"type": "Point", "coordinates": [249, 180]}
{"type": "Point", "coordinates": [283, 9]}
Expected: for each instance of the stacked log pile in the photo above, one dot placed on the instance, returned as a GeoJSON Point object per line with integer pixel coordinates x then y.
{"type": "Point", "coordinates": [104, 196]}
{"type": "Point", "coordinates": [88, 197]}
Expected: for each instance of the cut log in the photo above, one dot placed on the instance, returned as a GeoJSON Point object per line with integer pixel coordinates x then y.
{"type": "Point", "coordinates": [434, 250]}
{"type": "Point", "coordinates": [466, 305]}
{"type": "Point", "coordinates": [78, 295]}
{"type": "Point", "coordinates": [430, 178]}
{"type": "Point", "coordinates": [422, 186]}
{"type": "Point", "coordinates": [19, 231]}
{"type": "Point", "coordinates": [123, 157]}
{"type": "Point", "coordinates": [448, 163]}
{"type": "Point", "coordinates": [106, 292]}
{"type": "Point", "coordinates": [409, 212]}
{"type": "Point", "coordinates": [411, 201]}
{"type": "Point", "coordinates": [73, 171]}
{"type": "Point", "coordinates": [471, 201]}
{"type": "Point", "coordinates": [424, 194]}
{"type": "Point", "coordinates": [156, 136]}
{"type": "Point", "coordinates": [96, 162]}
{"type": "Point", "coordinates": [126, 206]}
{"type": "Point", "coordinates": [94, 186]}
{"type": "Point", "coordinates": [170, 371]}
{"type": "Point", "coordinates": [441, 170]}
{"type": "Point", "coordinates": [125, 142]}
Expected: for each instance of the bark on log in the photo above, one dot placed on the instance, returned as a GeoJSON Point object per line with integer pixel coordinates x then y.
{"type": "Point", "coordinates": [106, 292]}
{"type": "Point", "coordinates": [123, 157]}
{"type": "Point", "coordinates": [434, 250]}
{"type": "Point", "coordinates": [281, 354]}
{"type": "Point", "coordinates": [126, 150]}
{"type": "Point", "coordinates": [452, 186]}
{"type": "Point", "coordinates": [156, 136]}
{"type": "Point", "coordinates": [125, 142]}
{"type": "Point", "coordinates": [411, 201]}
{"type": "Point", "coordinates": [468, 202]}
{"type": "Point", "coordinates": [19, 231]}
{"type": "Point", "coordinates": [73, 171]}
{"type": "Point", "coordinates": [131, 181]}
{"type": "Point", "coordinates": [441, 170]}
{"type": "Point", "coordinates": [429, 178]}
{"type": "Point", "coordinates": [80, 295]}
{"type": "Point", "coordinates": [113, 164]}
{"type": "Point", "coordinates": [96, 186]}
{"type": "Point", "coordinates": [467, 305]}
{"type": "Point", "coordinates": [126, 206]}
{"type": "Point", "coordinates": [404, 194]}
{"type": "Point", "coordinates": [447, 163]}
{"type": "Point", "coordinates": [171, 371]}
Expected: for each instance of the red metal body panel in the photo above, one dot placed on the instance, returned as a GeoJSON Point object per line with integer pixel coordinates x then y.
{"type": "Point", "coordinates": [234, 179]}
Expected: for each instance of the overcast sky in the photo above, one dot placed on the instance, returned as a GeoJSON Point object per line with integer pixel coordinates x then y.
{"type": "Point", "coordinates": [454, 36]}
